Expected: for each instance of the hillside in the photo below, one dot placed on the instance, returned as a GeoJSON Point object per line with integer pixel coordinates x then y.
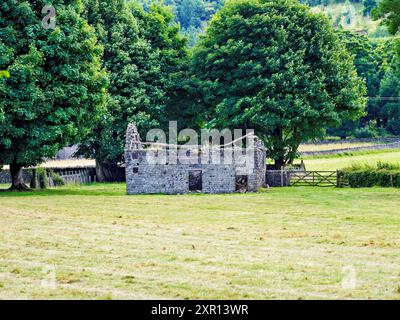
{"type": "Point", "coordinates": [350, 16]}
{"type": "Point", "coordinates": [193, 15]}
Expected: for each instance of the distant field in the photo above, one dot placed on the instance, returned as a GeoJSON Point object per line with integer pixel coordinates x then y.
{"type": "Point", "coordinates": [334, 146]}
{"type": "Point", "coordinates": [340, 162]}
{"type": "Point", "coordinates": [66, 163]}
{"type": "Point", "coordinates": [95, 242]}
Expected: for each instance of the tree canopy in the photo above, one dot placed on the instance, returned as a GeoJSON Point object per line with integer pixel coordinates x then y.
{"type": "Point", "coordinates": [278, 68]}
{"type": "Point", "coordinates": [56, 87]}
{"type": "Point", "coordinates": [389, 11]}
{"type": "Point", "coordinates": [142, 54]}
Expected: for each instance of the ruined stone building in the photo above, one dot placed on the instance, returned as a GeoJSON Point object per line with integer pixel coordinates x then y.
{"type": "Point", "coordinates": [150, 171]}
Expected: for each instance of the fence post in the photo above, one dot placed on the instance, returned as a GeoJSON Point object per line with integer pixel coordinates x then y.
{"type": "Point", "coordinates": [287, 175]}
{"type": "Point", "coordinates": [338, 182]}
{"type": "Point", "coordinates": [281, 176]}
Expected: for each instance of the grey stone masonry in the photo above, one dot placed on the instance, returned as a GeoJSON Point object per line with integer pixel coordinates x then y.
{"type": "Point", "coordinates": [151, 171]}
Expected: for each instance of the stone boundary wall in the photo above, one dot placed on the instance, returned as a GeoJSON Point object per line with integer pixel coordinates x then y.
{"type": "Point", "coordinates": [392, 145]}
{"type": "Point", "coordinates": [5, 177]}
{"type": "Point", "coordinates": [277, 178]}
{"type": "Point", "coordinates": [356, 140]}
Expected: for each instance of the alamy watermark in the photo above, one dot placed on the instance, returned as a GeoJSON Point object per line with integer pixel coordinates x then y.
{"type": "Point", "coordinates": [49, 279]}
{"type": "Point", "coordinates": [349, 280]}
{"type": "Point", "coordinates": [219, 147]}
{"type": "Point", "coordinates": [49, 21]}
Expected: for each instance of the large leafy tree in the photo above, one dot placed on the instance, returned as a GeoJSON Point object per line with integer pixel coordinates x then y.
{"type": "Point", "coordinates": [56, 87]}
{"type": "Point", "coordinates": [278, 68]}
{"type": "Point", "coordinates": [142, 52]}
{"type": "Point", "coordinates": [158, 27]}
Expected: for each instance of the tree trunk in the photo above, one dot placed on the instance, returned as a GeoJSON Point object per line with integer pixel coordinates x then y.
{"type": "Point", "coordinates": [17, 179]}
{"type": "Point", "coordinates": [279, 149]}
{"type": "Point", "coordinates": [99, 172]}
{"type": "Point", "coordinates": [279, 163]}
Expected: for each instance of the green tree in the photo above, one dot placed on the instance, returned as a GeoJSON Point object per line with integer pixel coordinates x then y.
{"type": "Point", "coordinates": [390, 93]}
{"type": "Point", "coordinates": [164, 36]}
{"type": "Point", "coordinates": [142, 54]}
{"type": "Point", "coordinates": [369, 5]}
{"type": "Point", "coordinates": [367, 60]}
{"type": "Point", "coordinates": [278, 68]}
{"type": "Point", "coordinates": [57, 87]}
{"type": "Point", "coordinates": [389, 10]}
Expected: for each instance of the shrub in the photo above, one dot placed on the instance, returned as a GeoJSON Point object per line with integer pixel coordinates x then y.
{"type": "Point", "coordinates": [366, 132]}
{"type": "Point", "coordinates": [57, 180]}
{"type": "Point", "coordinates": [381, 174]}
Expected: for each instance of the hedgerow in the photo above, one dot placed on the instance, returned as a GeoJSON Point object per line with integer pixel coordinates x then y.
{"type": "Point", "coordinates": [364, 175]}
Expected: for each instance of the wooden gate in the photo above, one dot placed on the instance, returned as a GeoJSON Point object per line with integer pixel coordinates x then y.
{"type": "Point", "coordinates": [314, 178]}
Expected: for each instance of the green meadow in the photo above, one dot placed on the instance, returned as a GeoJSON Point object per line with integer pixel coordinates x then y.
{"type": "Point", "coordinates": [95, 242]}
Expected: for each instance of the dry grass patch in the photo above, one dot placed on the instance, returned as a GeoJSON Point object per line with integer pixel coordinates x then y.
{"type": "Point", "coordinates": [293, 243]}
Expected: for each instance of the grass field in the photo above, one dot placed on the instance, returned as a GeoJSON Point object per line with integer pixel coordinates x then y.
{"type": "Point", "coordinates": [336, 162]}
{"type": "Point", "coordinates": [299, 243]}
{"type": "Point", "coordinates": [333, 146]}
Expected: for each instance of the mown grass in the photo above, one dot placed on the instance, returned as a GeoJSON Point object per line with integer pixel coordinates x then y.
{"type": "Point", "coordinates": [290, 243]}
{"type": "Point", "coordinates": [340, 161]}
{"type": "Point", "coordinates": [333, 146]}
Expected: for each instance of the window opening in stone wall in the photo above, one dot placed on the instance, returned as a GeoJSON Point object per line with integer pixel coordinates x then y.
{"type": "Point", "coordinates": [195, 180]}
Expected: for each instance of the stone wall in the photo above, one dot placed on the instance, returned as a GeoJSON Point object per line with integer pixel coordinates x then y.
{"type": "Point", "coordinates": [277, 178]}
{"type": "Point", "coordinates": [382, 144]}
{"type": "Point", "coordinates": [5, 177]}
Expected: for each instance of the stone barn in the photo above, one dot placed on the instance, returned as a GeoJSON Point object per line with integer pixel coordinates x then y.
{"type": "Point", "coordinates": [151, 171]}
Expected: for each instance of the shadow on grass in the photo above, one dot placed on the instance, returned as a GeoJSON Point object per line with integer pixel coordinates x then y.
{"type": "Point", "coordinates": [95, 189]}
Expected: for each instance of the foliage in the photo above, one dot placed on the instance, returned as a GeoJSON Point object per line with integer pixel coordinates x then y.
{"type": "Point", "coordinates": [381, 174]}
{"type": "Point", "coordinates": [369, 131]}
{"type": "Point", "coordinates": [4, 74]}
{"type": "Point", "coordinates": [389, 11]}
{"type": "Point", "coordinates": [143, 53]}
{"type": "Point", "coordinates": [390, 101]}
{"type": "Point", "coordinates": [194, 15]}
{"type": "Point", "coordinates": [375, 63]}
{"type": "Point", "coordinates": [58, 181]}
{"type": "Point", "coordinates": [57, 87]}
{"type": "Point", "coordinates": [287, 84]}
{"type": "Point", "coordinates": [369, 5]}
